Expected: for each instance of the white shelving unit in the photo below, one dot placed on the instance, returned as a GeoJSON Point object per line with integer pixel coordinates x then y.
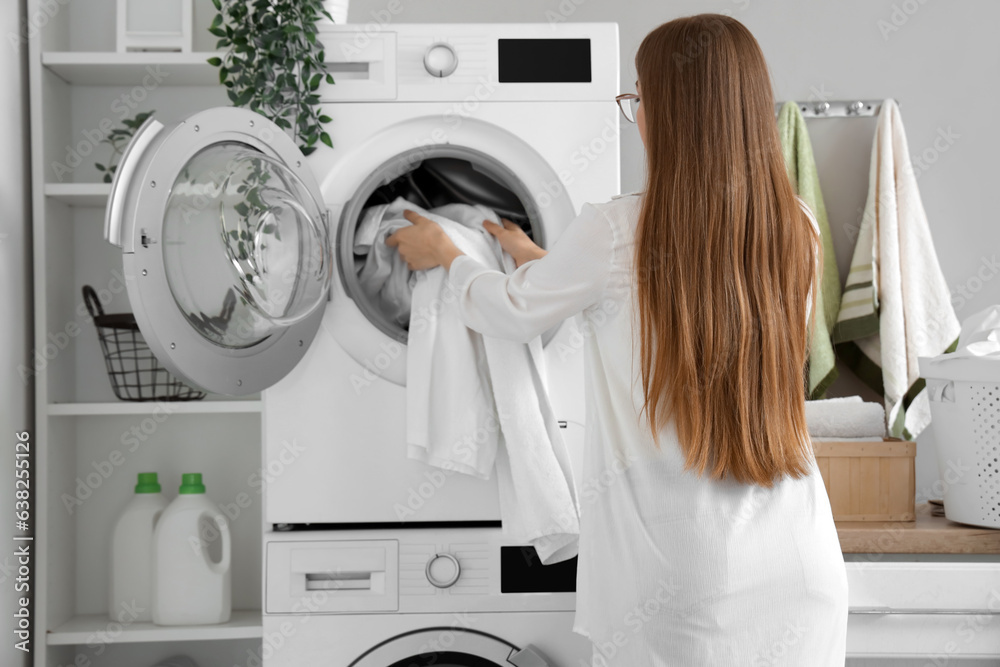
{"type": "Point", "coordinates": [90, 444]}
{"type": "Point", "coordinates": [120, 69]}
{"type": "Point", "coordinates": [79, 194]}
{"type": "Point", "coordinates": [83, 629]}
{"type": "Point", "coordinates": [181, 408]}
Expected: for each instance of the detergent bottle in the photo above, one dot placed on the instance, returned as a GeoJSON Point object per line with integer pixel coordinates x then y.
{"type": "Point", "coordinates": [130, 582]}
{"type": "Point", "coordinates": [191, 560]}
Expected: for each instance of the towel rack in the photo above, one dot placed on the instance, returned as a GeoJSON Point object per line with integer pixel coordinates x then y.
{"type": "Point", "coordinates": [836, 109]}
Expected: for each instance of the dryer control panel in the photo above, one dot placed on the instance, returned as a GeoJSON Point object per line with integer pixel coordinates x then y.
{"type": "Point", "coordinates": [411, 570]}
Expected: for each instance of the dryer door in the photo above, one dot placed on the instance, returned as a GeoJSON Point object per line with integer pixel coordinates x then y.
{"type": "Point", "coordinates": [225, 247]}
{"type": "Point", "coordinates": [465, 648]}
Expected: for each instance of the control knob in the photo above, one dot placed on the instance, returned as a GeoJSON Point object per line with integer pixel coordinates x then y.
{"type": "Point", "coordinates": [442, 570]}
{"type": "Point", "coordinates": [440, 60]}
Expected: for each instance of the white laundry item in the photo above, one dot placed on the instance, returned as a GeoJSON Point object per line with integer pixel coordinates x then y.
{"type": "Point", "coordinates": [979, 337]}
{"type": "Point", "coordinates": [475, 403]}
{"type": "Point", "coordinates": [384, 277]}
{"type": "Point", "coordinates": [847, 417]}
{"type": "Point", "coordinates": [731, 570]}
{"type": "Point", "coordinates": [975, 358]}
{"type": "Point", "coordinates": [896, 305]}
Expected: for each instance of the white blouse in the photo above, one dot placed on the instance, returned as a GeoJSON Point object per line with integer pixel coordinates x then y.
{"type": "Point", "coordinates": [673, 569]}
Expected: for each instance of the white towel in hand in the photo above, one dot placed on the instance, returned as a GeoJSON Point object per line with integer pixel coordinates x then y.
{"type": "Point", "coordinates": [475, 402]}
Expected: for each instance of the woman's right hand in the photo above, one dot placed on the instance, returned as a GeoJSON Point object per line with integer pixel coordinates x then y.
{"type": "Point", "coordinates": [514, 241]}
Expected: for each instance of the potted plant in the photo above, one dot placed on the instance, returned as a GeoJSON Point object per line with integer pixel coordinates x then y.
{"type": "Point", "coordinates": [118, 138]}
{"type": "Point", "coordinates": [274, 63]}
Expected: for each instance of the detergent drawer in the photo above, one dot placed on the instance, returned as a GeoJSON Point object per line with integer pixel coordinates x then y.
{"type": "Point", "coordinates": [332, 577]}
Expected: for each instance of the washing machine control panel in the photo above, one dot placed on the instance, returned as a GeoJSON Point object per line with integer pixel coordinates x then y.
{"type": "Point", "coordinates": [413, 570]}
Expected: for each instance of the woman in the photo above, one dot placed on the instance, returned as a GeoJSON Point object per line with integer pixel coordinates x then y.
{"type": "Point", "coordinates": [714, 543]}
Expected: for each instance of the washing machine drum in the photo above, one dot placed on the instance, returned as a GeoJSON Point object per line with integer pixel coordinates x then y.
{"type": "Point", "coordinates": [465, 648]}
{"type": "Point", "coordinates": [444, 180]}
{"type": "Point", "coordinates": [430, 178]}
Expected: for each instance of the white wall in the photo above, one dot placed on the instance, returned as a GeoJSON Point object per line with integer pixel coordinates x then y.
{"type": "Point", "coordinates": [941, 61]}
{"type": "Point", "coordinates": [15, 298]}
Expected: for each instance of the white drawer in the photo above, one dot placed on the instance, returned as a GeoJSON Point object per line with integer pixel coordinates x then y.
{"type": "Point", "coordinates": [926, 610]}
{"type": "Point", "coordinates": [923, 587]}
{"type": "Point", "coordinates": [332, 577]}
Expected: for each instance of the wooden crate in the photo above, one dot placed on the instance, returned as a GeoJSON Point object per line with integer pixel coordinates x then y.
{"type": "Point", "coordinates": [868, 481]}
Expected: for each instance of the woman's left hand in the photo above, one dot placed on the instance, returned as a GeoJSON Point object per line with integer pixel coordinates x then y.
{"type": "Point", "coordinates": [423, 245]}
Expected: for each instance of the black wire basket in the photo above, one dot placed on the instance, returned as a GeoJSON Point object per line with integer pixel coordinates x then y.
{"type": "Point", "coordinates": [134, 371]}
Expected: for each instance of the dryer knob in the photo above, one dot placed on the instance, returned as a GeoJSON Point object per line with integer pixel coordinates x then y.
{"type": "Point", "coordinates": [442, 570]}
{"type": "Point", "coordinates": [440, 60]}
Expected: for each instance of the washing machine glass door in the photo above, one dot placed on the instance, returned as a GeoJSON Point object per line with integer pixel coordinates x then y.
{"type": "Point", "coordinates": [225, 247]}
{"type": "Point", "coordinates": [465, 648]}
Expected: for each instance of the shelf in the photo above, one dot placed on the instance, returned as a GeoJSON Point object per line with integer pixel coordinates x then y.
{"type": "Point", "coordinates": [79, 194]}
{"type": "Point", "coordinates": [89, 628]}
{"type": "Point", "coordinates": [926, 535]}
{"type": "Point", "coordinates": [149, 407]}
{"type": "Point", "coordinates": [98, 68]}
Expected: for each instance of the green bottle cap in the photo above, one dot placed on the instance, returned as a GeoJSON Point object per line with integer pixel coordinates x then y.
{"type": "Point", "coordinates": [147, 483]}
{"type": "Point", "coordinates": [191, 483]}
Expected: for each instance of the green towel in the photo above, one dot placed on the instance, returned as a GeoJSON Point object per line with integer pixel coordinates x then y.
{"type": "Point", "coordinates": [802, 173]}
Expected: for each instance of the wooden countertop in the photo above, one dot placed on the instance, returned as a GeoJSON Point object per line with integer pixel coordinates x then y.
{"type": "Point", "coordinates": [927, 535]}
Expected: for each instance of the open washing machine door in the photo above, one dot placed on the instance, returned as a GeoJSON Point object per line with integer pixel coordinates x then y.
{"type": "Point", "coordinates": [465, 648]}
{"type": "Point", "coordinates": [225, 245]}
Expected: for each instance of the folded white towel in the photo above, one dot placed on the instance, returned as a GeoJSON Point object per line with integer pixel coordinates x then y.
{"type": "Point", "coordinates": [847, 417]}
{"type": "Point", "coordinates": [476, 402]}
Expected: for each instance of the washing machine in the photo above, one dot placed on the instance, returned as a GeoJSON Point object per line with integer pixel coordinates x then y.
{"type": "Point", "coordinates": [454, 597]}
{"type": "Point", "coordinates": [238, 256]}
{"type": "Point", "coordinates": [238, 251]}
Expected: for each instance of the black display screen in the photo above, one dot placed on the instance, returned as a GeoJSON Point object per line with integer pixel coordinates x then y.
{"type": "Point", "coordinates": [544, 60]}
{"type": "Point", "coordinates": [522, 572]}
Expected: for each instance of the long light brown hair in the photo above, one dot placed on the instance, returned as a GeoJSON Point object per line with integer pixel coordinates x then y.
{"type": "Point", "coordinates": [725, 257]}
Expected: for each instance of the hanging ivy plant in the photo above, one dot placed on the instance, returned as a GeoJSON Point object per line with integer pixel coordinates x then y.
{"type": "Point", "coordinates": [274, 64]}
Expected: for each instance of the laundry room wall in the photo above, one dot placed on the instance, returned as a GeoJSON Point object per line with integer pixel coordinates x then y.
{"type": "Point", "coordinates": [15, 301]}
{"type": "Point", "coordinates": [938, 60]}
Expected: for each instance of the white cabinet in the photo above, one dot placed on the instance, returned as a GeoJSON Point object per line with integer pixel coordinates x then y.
{"type": "Point", "coordinates": [91, 445]}
{"type": "Point", "coordinates": [949, 610]}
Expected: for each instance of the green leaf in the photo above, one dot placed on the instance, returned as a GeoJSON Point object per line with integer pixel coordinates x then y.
{"type": "Point", "coordinates": [217, 4]}
{"type": "Point", "coordinates": [218, 32]}
{"type": "Point", "coordinates": [329, 78]}
{"type": "Point", "coordinates": [215, 62]}
{"type": "Point", "coordinates": [217, 21]}
{"type": "Point", "coordinates": [315, 81]}
{"type": "Point", "coordinates": [325, 119]}
{"type": "Point", "coordinates": [325, 138]}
